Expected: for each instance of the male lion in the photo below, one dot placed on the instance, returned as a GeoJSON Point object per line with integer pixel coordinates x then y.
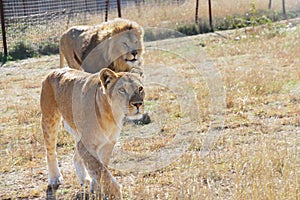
{"type": "Point", "coordinates": [93, 107]}
{"type": "Point", "coordinates": [116, 44]}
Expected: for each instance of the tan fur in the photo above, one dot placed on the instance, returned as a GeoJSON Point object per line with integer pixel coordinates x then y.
{"type": "Point", "coordinates": [110, 44]}
{"type": "Point", "coordinates": [92, 107]}
{"type": "Point", "coordinates": [102, 176]}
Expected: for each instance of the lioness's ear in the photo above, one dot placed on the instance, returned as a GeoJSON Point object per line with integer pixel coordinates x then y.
{"type": "Point", "coordinates": [106, 76]}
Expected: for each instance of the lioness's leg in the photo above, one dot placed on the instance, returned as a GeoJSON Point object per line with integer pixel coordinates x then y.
{"type": "Point", "coordinates": [50, 122]}
{"type": "Point", "coordinates": [80, 169]}
{"type": "Point", "coordinates": [50, 125]}
{"type": "Point", "coordinates": [105, 153]}
{"type": "Point", "coordinates": [101, 177]}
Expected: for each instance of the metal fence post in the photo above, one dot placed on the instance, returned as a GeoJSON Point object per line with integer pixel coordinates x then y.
{"type": "Point", "coordinates": [119, 8]}
{"type": "Point", "coordinates": [106, 9]}
{"type": "Point", "coordinates": [196, 14]}
{"type": "Point", "coordinates": [283, 9]}
{"type": "Point", "coordinates": [210, 16]}
{"type": "Point", "coordinates": [24, 7]}
{"type": "Point", "coordinates": [3, 31]}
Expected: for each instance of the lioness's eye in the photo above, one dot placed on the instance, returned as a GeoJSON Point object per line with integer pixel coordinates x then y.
{"type": "Point", "coordinates": [122, 90]}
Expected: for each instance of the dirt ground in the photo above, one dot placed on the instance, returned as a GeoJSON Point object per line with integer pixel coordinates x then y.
{"type": "Point", "coordinates": [225, 110]}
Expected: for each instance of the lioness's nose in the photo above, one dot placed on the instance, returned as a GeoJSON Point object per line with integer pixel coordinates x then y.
{"type": "Point", "coordinates": [134, 52]}
{"type": "Point", "coordinates": [137, 104]}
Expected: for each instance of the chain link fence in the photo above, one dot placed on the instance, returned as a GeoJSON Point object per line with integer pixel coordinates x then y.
{"type": "Point", "coordinates": [36, 25]}
{"type": "Point", "coordinates": [41, 22]}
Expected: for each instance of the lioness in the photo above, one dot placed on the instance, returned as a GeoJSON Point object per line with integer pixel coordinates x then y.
{"type": "Point", "coordinates": [93, 107]}
{"type": "Point", "coordinates": [116, 44]}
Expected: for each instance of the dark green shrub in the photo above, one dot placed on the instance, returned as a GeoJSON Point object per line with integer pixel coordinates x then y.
{"type": "Point", "coordinates": [232, 22]}
{"type": "Point", "coordinates": [153, 34]}
{"type": "Point", "coordinates": [189, 29]}
{"type": "Point", "coordinates": [21, 50]}
{"type": "Point", "coordinates": [252, 18]}
{"type": "Point", "coordinates": [48, 48]}
{"type": "Point", "coordinates": [2, 57]}
{"type": "Point", "coordinates": [194, 29]}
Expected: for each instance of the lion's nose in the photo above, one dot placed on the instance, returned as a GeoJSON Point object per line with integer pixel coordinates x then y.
{"type": "Point", "coordinates": [137, 104]}
{"type": "Point", "coordinates": [134, 52]}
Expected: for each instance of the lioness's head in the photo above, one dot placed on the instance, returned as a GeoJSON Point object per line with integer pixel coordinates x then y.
{"type": "Point", "coordinates": [126, 45]}
{"type": "Point", "coordinates": [124, 91]}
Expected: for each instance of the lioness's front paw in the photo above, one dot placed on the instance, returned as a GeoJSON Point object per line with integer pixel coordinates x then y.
{"type": "Point", "coordinates": [56, 181]}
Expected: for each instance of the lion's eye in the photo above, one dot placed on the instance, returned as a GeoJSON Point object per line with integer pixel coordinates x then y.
{"type": "Point", "coordinates": [122, 90]}
{"type": "Point", "coordinates": [125, 45]}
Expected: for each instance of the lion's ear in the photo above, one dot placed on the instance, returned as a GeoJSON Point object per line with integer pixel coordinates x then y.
{"type": "Point", "coordinates": [106, 77]}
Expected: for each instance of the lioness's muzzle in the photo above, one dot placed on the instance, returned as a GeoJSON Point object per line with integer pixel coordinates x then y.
{"type": "Point", "coordinates": [137, 104]}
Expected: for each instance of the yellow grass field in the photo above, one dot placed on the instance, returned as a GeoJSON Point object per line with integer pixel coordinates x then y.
{"type": "Point", "coordinates": [257, 120]}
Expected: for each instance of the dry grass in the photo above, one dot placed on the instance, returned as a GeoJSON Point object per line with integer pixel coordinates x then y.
{"type": "Point", "coordinates": [166, 16]}
{"type": "Point", "coordinates": [256, 156]}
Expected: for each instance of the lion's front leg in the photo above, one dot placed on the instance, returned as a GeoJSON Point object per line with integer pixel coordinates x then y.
{"type": "Point", "coordinates": [101, 177]}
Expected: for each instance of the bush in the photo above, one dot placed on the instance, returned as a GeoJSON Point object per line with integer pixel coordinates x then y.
{"type": "Point", "coordinates": [2, 57]}
{"type": "Point", "coordinates": [153, 34]}
{"type": "Point", "coordinates": [194, 29]}
{"type": "Point", "coordinates": [253, 18]}
{"type": "Point", "coordinates": [21, 50]}
{"type": "Point", "coordinates": [48, 48]}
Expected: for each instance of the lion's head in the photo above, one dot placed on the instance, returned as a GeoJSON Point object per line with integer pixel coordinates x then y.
{"type": "Point", "coordinates": [116, 44]}
{"type": "Point", "coordinates": [124, 91]}
{"type": "Point", "coordinates": [126, 49]}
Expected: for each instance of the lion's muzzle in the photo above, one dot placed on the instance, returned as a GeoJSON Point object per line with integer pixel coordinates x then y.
{"type": "Point", "coordinates": [134, 53]}
{"type": "Point", "coordinates": [132, 56]}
